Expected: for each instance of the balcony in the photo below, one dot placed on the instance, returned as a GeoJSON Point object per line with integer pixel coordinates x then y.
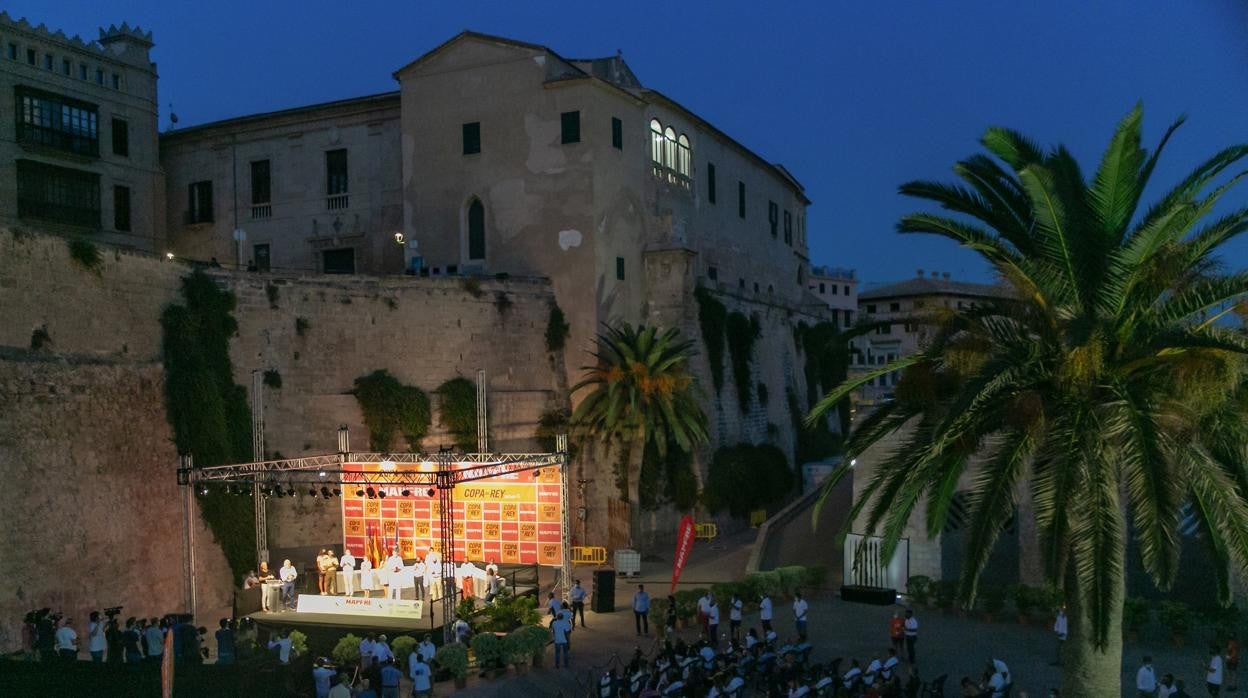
{"type": "Point", "coordinates": [671, 176]}
{"type": "Point", "coordinates": [259, 211]}
{"type": "Point", "coordinates": [337, 202]}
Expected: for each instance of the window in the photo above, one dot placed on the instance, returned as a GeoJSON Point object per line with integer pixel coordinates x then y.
{"type": "Point", "coordinates": [884, 329]}
{"type": "Point", "coordinates": [756, 287]}
{"type": "Point", "coordinates": [617, 134]}
{"type": "Point", "coordinates": [472, 138]}
{"type": "Point", "coordinates": [57, 122]}
{"type": "Point", "coordinates": [894, 307]}
{"type": "Point", "coordinates": [836, 318]}
{"type": "Point", "coordinates": [740, 199]}
{"type": "Point", "coordinates": [261, 182]}
{"type": "Point", "coordinates": [476, 230]}
{"type": "Point", "coordinates": [121, 137]}
{"type": "Point", "coordinates": [788, 228]}
{"type": "Point", "coordinates": [849, 318]}
{"type": "Point", "coordinates": [261, 257]}
{"type": "Point", "coordinates": [47, 61]}
{"type": "Point", "coordinates": [741, 283]}
{"type": "Point", "coordinates": [619, 268]}
{"type": "Point", "coordinates": [82, 71]}
{"type": "Point", "coordinates": [67, 66]}
{"type": "Point", "coordinates": [99, 76]}
{"type": "Point", "coordinates": [656, 142]}
{"type": "Point", "coordinates": [847, 290]}
{"type": "Point", "coordinates": [116, 81]}
{"type": "Point", "coordinates": [57, 194]}
{"type": "Point", "coordinates": [833, 289]}
{"type": "Point", "coordinates": [336, 182]}
{"type": "Point", "coordinates": [773, 217]}
{"type": "Point", "coordinates": [821, 288]}
{"type": "Point", "coordinates": [338, 261]}
{"type": "Point", "coordinates": [121, 208]}
{"type": "Point", "coordinates": [710, 182]}
{"type": "Point", "coordinates": [12, 51]}
{"type": "Point", "coordinates": [712, 273]}
{"type": "Point", "coordinates": [871, 308]}
{"type": "Point", "coordinates": [684, 156]}
{"type": "Point", "coordinates": [570, 127]}
{"type": "Point", "coordinates": [911, 327]}
{"type": "Point", "coordinates": [199, 202]}
{"type": "Point", "coordinates": [30, 56]}
{"type": "Point", "coordinates": [669, 148]}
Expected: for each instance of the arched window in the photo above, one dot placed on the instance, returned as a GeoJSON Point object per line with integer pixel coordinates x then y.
{"type": "Point", "coordinates": [684, 157]}
{"type": "Point", "coordinates": [476, 230]}
{"type": "Point", "coordinates": [656, 141]}
{"type": "Point", "coordinates": [669, 148]}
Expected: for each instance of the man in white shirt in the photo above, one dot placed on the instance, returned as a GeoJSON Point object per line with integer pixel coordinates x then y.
{"type": "Point", "coordinates": [712, 622]}
{"type": "Point", "coordinates": [577, 597]}
{"type": "Point", "coordinates": [393, 567]}
{"type": "Point", "coordinates": [154, 636]}
{"type": "Point", "coordinates": [433, 569]}
{"type": "Point", "coordinates": [1146, 679]}
{"type": "Point", "coordinates": [426, 648]}
{"type": "Point", "coordinates": [67, 641]}
{"type": "Point", "coordinates": [890, 664]}
{"type": "Point", "coordinates": [704, 606]}
{"type": "Point", "coordinates": [641, 610]}
{"type": "Point", "coordinates": [282, 645]}
{"type": "Point", "coordinates": [420, 673]}
{"type": "Point", "coordinates": [347, 562]}
{"type": "Point", "coordinates": [288, 574]}
{"type": "Point", "coordinates": [96, 642]}
{"type": "Point", "coordinates": [381, 650]}
{"type": "Point", "coordinates": [764, 611]}
{"type": "Point", "coordinates": [322, 676]}
{"type": "Point", "coordinates": [366, 652]}
{"type": "Point", "coordinates": [1060, 626]}
{"type": "Point", "coordinates": [800, 607]}
{"type": "Point", "coordinates": [734, 618]}
{"type": "Point", "coordinates": [1213, 672]}
{"type": "Point", "coordinates": [912, 634]}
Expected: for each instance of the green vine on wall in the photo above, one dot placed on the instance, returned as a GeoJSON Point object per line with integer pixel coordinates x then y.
{"type": "Point", "coordinates": [86, 254]}
{"type": "Point", "coordinates": [390, 406]}
{"type": "Point", "coordinates": [667, 480]}
{"type": "Point", "coordinates": [746, 477]}
{"type": "Point", "coordinates": [712, 319]}
{"type": "Point", "coordinates": [550, 425]}
{"type": "Point", "coordinates": [457, 411]}
{"type": "Point", "coordinates": [556, 329]}
{"type": "Point", "coordinates": [742, 332]}
{"type": "Point", "coordinates": [208, 413]}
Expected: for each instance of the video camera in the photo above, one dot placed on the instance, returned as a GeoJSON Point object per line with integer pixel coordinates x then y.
{"type": "Point", "coordinates": [112, 611]}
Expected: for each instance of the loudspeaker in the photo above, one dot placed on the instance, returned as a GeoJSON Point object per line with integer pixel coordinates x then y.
{"type": "Point", "coordinates": [604, 592]}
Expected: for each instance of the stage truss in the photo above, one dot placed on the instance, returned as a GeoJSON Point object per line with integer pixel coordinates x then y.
{"type": "Point", "coordinates": [329, 469]}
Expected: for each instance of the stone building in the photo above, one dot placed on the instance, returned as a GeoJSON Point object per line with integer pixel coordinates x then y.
{"type": "Point", "coordinates": [311, 189]}
{"type": "Point", "coordinates": [838, 290]}
{"type": "Point", "coordinates": [80, 156]}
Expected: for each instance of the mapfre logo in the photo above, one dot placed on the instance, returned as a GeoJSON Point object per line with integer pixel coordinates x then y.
{"type": "Point", "coordinates": [357, 602]}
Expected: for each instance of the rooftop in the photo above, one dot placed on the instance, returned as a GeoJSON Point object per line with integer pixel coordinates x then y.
{"type": "Point", "coordinates": [932, 286]}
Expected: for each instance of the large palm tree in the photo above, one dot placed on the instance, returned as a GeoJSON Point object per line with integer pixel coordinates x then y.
{"type": "Point", "coordinates": [641, 393]}
{"type": "Point", "coordinates": [1108, 387]}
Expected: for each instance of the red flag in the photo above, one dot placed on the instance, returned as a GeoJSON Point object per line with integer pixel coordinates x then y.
{"type": "Point", "coordinates": [166, 667]}
{"type": "Point", "coordinates": [684, 543]}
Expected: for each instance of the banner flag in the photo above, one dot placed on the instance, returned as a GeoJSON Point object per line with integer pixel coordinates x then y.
{"type": "Point", "coordinates": [166, 667]}
{"type": "Point", "coordinates": [684, 543]}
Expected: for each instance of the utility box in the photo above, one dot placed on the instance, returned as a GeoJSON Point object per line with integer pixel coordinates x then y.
{"type": "Point", "coordinates": [628, 563]}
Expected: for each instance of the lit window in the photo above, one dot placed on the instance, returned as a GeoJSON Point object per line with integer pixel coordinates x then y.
{"type": "Point", "coordinates": [656, 141]}
{"type": "Point", "coordinates": [684, 157]}
{"type": "Point", "coordinates": [669, 148]}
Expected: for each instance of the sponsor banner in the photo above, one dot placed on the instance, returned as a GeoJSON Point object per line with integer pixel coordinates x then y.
{"type": "Point", "coordinates": [513, 518]}
{"type": "Point", "coordinates": [684, 543]}
{"type": "Point", "coordinates": [350, 605]}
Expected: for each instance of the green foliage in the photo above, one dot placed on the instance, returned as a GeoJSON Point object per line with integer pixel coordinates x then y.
{"type": "Point", "coordinates": [550, 425]}
{"type": "Point", "coordinates": [1176, 616]}
{"type": "Point", "coordinates": [993, 598]}
{"type": "Point", "coordinates": [780, 582]}
{"type": "Point", "coordinates": [816, 576]}
{"type": "Point", "coordinates": [742, 333]}
{"type": "Point", "coordinates": [762, 393]}
{"type": "Point", "coordinates": [390, 406]}
{"type": "Point", "coordinates": [557, 328]}
{"type": "Point", "coordinates": [919, 589]}
{"type": "Point", "coordinates": [524, 644]}
{"type": "Point", "coordinates": [472, 286]}
{"type": "Point", "coordinates": [488, 649]}
{"type": "Point", "coordinates": [507, 613]}
{"type": "Point", "coordinates": [945, 592]}
{"type": "Point", "coordinates": [746, 477]}
{"type": "Point", "coordinates": [298, 643]}
{"type": "Point", "coordinates": [713, 320]}
{"type": "Point", "coordinates": [457, 411]}
{"type": "Point", "coordinates": [815, 441]}
{"type": "Point", "coordinates": [273, 293]}
{"type": "Point", "coordinates": [466, 608]}
{"type": "Point", "coordinates": [667, 479]}
{"type": "Point", "coordinates": [1135, 611]}
{"type": "Point", "coordinates": [86, 254]}
{"type": "Point", "coordinates": [39, 338]}
{"type": "Point", "coordinates": [273, 378]}
{"type": "Point", "coordinates": [1026, 598]}
{"type": "Point", "coordinates": [502, 302]}
{"type": "Point", "coordinates": [346, 652]}
{"type": "Point", "coordinates": [453, 658]}
{"type": "Point", "coordinates": [402, 647]}
{"type": "Point", "coordinates": [301, 326]}
{"type": "Point", "coordinates": [208, 413]}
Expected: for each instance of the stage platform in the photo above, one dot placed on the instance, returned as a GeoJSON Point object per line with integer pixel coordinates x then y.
{"type": "Point", "coordinates": [350, 623]}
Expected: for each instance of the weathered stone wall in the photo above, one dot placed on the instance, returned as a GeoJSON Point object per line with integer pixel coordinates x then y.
{"type": "Point", "coordinates": [93, 515]}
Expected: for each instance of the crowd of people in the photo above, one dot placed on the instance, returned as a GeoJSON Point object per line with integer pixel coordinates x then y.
{"type": "Point", "coordinates": [1221, 671]}
{"type": "Point", "coordinates": [49, 636]}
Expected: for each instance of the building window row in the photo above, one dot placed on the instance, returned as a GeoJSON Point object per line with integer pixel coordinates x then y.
{"type": "Point", "coordinates": [65, 66]}
{"type": "Point", "coordinates": [57, 122]}
{"type": "Point", "coordinates": [337, 189]}
{"type": "Point", "coordinates": [58, 194]}
{"type": "Point", "coordinates": [671, 155]}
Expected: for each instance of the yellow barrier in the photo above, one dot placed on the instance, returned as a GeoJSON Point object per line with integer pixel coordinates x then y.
{"type": "Point", "coordinates": [758, 517]}
{"type": "Point", "coordinates": [707, 531]}
{"type": "Point", "coordinates": [589, 555]}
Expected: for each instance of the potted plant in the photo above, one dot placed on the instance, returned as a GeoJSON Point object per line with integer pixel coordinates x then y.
{"type": "Point", "coordinates": [402, 647]}
{"type": "Point", "coordinates": [994, 600]}
{"type": "Point", "coordinates": [298, 644]}
{"type": "Point", "coordinates": [346, 652]}
{"type": "Point", "coordinates": [1134, 616]}
{"type": "Point", "coordinates": [1024, 602]}
{"type": "Point", "coordinates": [919, 589]}
{"type": "Point", "coordinates": [525, 644]}
{"type": "Point", "coordinates": [453, 659]}
{"type": "Point", "coordinates": [488, 649]}
{"type": "Point", "coordinates": [945, 593]}
{"type": "Point", "coordinates": [1178, 617]}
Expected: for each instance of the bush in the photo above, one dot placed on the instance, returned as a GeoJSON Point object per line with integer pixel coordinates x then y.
{"type": "Point", "coordinates": [298, 643]}
{"type": "Point", "coordinates": [509, 612]}
{"type": "Point", "coordinates": [741, 332]}
{"type": "Point", "coordinates": [993, 598]}
{"type": "Point", "coordinates": [1026, 598]}
{"type": "Point", "coordinates": [453, 659]}
{"type": "Point", "coordinates": [816, 576]}
{"type": "Point", "coordinates": [346, 652]}
{"type": "Point", "coordinates": [919, 589]}
{"type": "Point", "coordinates": [390, 406]}
{"type": "Point", "coordinates": [86, 254]}
{"type": "Point", "coordinates": [556, 329]}
{"type": "Point", "coordinates": [945, 592]}
{"type": "Point", "coordinates": [712, 318]}
{"type": "Point", "coordinates": [667, 479]}
{"type": "Point", "coordinates": [791, 578]}
{"type": "Point", "coordinates": [402, 646]}
{"type": "Point", "coordinates": [457, 411]}
{"type": "Point", "coordinates": [524, 644]}
{"type": "Point", "coordinates": [746, 477]}
{"type": "Point", "coordinates": [1176, 616]}
{"type": "Point", "coordinates": [488, 650]}
{"type": "Point", "coordinates": [1135, 612]}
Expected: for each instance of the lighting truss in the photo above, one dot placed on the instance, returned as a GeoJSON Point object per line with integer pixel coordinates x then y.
{"type": "Point", "coordinates": [331, 469]}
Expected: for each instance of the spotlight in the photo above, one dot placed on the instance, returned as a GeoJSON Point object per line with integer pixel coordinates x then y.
{"type": "Point", "coordinates": [387, 464]}
{"type": "Point", "coordinates": [537, 473]}
{"type": "Point", "coordinates": [381, 494]}
{"type": "Point", "coordinates": [203, 490]}
{"type": "Point", "coordinates": [325, 492]}
{"type": "Point", "coordinates": [398, 238]}
{"type": "Point", "coordinates": [291, 491]}
{"type": "Point", "coordinates": [430, 491]}
{"type": "Point", "coordinates": [372, 494]}
{"type": "Point", "coordinates": [359, 493]}
{"type": "Point", "coordinates": [337, 492]}
{"type": "Point", "coordinates": [407, 493]}
{"type": "Point", "coordinates": [312, 492]}
{"type": "Point", "coordinates": [322, 473]}
{"type": "Point", "coordinates": [169, 256]}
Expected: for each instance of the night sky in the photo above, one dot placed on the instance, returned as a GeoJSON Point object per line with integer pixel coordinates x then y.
{"type": "Point", "coordinates": [853, 98]}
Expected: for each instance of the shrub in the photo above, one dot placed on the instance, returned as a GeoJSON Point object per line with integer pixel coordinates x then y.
{"type": "Point", "coordinates": [816, 576]}
{"type": "Point", "coordinates": [346, 652]}
{"type": "Point", "coordinates": [993, 598]}
{"type": "Point", "coordinates": [402, 646]}
{"type": "Point", "coordinates": [919, 589]}
{"type": "Point", "coordinates": [466, 608]}
{"type": "Point", "coordinates": [488, 650]}
{"type": "Point", "coordinates": [742, 332]}
{"type": "Point", "coordinates": [453, 659]}
{"type": "Point", "coordinates": [945, 592]}
{"type": "Point", "coordinates": [388, 405]}
{"type": "Point", "coordinates": [1026, 598]}
{"type": "Point", "coordinates": [712, 318]}
{"type": "Point", "coordinates": [272, 378]}
{"type": "Point", "coordinates": [667, 479]}
{"type": "Point", "coordinates": [791, 578]}
{"type": "Point", "coordinates": [86, 254]}
{"type": "Point", "coordinates": [1135, 612]}
{"type": "Point", "coordinates": [1177, 616]}
{"type": "Point", "coordinates": [557, 328]}
{"type": "Point", "coordinates": [301, 326]}
{"type": "Point", "coordinates": [509, 612]}
{"type": "Point", "coordinates": [747, 477]}
{"type": "Point", "coordinates": [767, 583]}
{"type": "Point", "coordinates": [471, 285]}
{"type": "Point", "coordinates": [524, 644]}
{"type": "Point", "coordinates": [457, 411]}
{"type": "Point", "coordinates": [298, 643]}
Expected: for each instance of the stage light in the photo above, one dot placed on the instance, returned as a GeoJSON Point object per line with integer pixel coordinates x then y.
{"type": "Point", "coordinates": [291, 491]}
{"type": "Point", "coordinates": [372, 493]}
{"type": "Point", "coordinates": [169, 256]}
{"type": "Point", "coordinates": [381, 494]}
{"type": "Point", "coordinates": [322, 473]}
{"type": "Point", "coordinates": [407, 493]}
{"type": "Point", "coordinates": [537, 473]}
{"type": "Point", "coordinates": [204, 490]}
{"type": "Point", "coordinates": [387, 465]}
{"type": "Point", "coordinates": [430, 492]}
{"type": "Point", "coordinates": [359, 493]}
{"type": "Point", "coordinates": [337, 492]}
{"type": "Point", "coordinates": [312, 492]}
{"type": "Point", "coordinates": [325, 492]}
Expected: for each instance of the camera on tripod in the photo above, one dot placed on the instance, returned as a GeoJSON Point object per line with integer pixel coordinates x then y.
{"type": "Point", "coordinates": [112, 611]}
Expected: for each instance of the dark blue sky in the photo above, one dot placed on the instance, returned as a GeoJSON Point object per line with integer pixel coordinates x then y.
{"type": "Point", "coordinates": [854, 98]}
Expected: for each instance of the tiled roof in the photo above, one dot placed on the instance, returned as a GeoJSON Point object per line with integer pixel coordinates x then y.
{"type": "Point", "coordinates": [927, 286]}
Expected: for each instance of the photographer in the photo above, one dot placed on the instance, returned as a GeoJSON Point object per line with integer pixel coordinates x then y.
{"type": "Point", "coordinates": [96, 643]}
{"type": "Point", "coordinates": [67, 641]}
{"type": "Point", "coordinates": [131, 641]}
{"type": "Point", "coordinates": [113, 639]}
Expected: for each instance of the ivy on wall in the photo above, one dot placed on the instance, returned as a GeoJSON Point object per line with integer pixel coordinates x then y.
{"type": "Point", "coordinates": [712, 319]}
{"type": "Point", "coordinates": [457, 411]}
{"type": "Point", "coordinates": [816, 442]}
{"type": "Point", "coordinates": [389, 406]}
{"type": "Point", "coordinates": [550, 425]}
{"type": "Point", "coordinates": [667, 480]}
{"type": "Point", "coordinates": [746, 477]}
{"type": "Point", "coordinates": [741, 332]}
{"type": "Point", "coordinates": [208, 413]}
{"type": "Point", "coordinates": [556, 329]}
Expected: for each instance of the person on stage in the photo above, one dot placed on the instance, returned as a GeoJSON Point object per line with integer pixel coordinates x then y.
{"type": "Point", "coordinates": [419, 578]}
{"type": "Point", "coordinates": [288, 574]}
{"type": "Point", "coordinates": [394, 569]}
{"type": "Point", "coordinates": [320, 571]}
{"type": "Point", "coordinates": [348, 572]}
{"type": "Point", "coordinates": [367, 580]}
{"type": "Point", "coordinates": [433, 567]}
{"type": "Point", "coordinates": [263, 576]}
{"type": "Point", "coordinates": [330, 574]}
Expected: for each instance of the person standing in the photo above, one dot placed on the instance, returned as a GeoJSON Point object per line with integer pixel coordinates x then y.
{"type": "Point", "coordinates": [67, 641]}
{"type": "Point", "coordinates": [670, 621]}
{"type": "Point", "coordinates": [1232, 663]}
{"type": "Point", "coordinates": [641, 610]}
{"type": "Point", "coordinates": [577, 597]}
{"type": "Point", "coordinates": [320, 573]}
{"type": "Point", "coordinates": [426, 648]}
{"type": "Point", "coordinates": [1213, 672]}
{"type": "Point", "coordinates": [394, 570]}
{"type": "Point", "coordinates": [154, 638]}
{"type": "Point", "coordinates": [712, 621]}
{"type": "Point", "coordinates": [330, 573]}
{"type": "Point", "coordinates": [225, 643]}
{"type": "Point", "coordinates": [342, 688]}
{"type": "Point", "coordinates": [704, 606]}
{"type": "Point", "coordinates": [800, 608]}
{"type": "Point", "coordinates": [322, 676]}
{"type": "Point", "coordinates": [282, 643]}
{"type": "Point", "coordinates": [1146, 679]}
{"type": "Point", "coordinates": [734, 618]}
{"type": "Point", "coordinates": [496, 586]}
{"type": "Point", "coordinates": [764, 611]}
{"type": "Point", "coordinates": [390, 678]}
{"type": "Point", "coordinates": [288, 574]}
{"type": "Point", "coordinates": [367, 583]}
{"type": "Point", "coordinates": [113, 639]}
{"type": "Point", "coordinates": [421, 675]}
{"type": "Point", "coordinates": [95, 638]}
{"type": "Point", "coordinates": [131, 639]}
{"type": "Point", "coordinates": [553, 604]}
{"type": "Point", "coordinates": [433, 569]}
{"type": "Point", "coordinates": [366, 652]}
{"type": "Point", "coordinates": [560, 630]}
{"type": "Point", "coordinates": [1060, 625]}
{"type": "Point", "coordinates": [897, 632]}
{"type": "Point", "coordinates": [348, 572]}
{"type": "Point", "coordinates": [911, 629]}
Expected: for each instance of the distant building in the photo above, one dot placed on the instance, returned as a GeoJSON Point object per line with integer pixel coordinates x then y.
{"type": "Point", "coordinates": [906, 303]}
{"type": "Point", "coordinates": [838, 289]}
{"type": "Point", "coordinates": [81, 154]}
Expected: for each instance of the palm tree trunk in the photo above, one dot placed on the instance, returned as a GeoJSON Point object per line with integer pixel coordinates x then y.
{"type": "Point", "coordinates": [636, 452]}
{"type": "Point", "coordinates": [1089, 670]}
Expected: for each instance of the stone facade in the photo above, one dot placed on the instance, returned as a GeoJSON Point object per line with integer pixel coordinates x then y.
{"type": "Point", "coordinates": [838, 289]}
{"type": "Point", "coordinates": [81, 157]}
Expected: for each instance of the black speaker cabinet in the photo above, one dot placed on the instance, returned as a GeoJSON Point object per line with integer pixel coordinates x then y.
{"type": "Point", "coordinates": [604, 592]}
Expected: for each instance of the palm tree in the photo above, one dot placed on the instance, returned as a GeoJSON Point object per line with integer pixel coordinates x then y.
{"type": "Point", "coordinates": [642, 393]}
{"type": "Point", "coordinates": [1105, 386]}
{"type": "Point", "coordinates": [829, 355]}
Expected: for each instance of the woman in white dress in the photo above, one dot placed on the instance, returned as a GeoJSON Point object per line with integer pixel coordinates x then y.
{"type": "Point", "coordinates": [366, 577]}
